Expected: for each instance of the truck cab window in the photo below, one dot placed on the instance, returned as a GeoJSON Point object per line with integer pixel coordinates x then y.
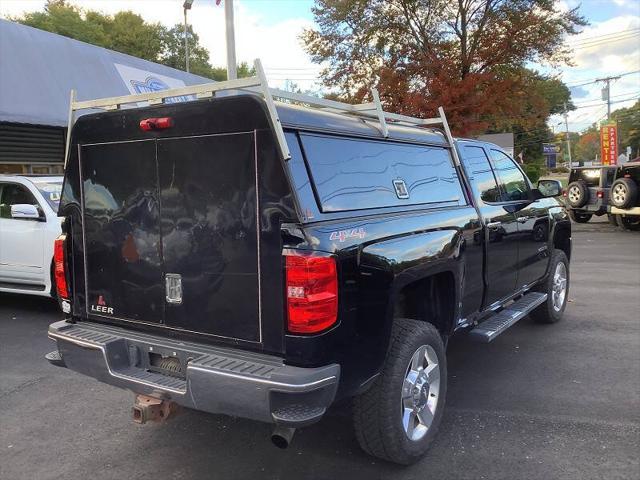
{"type": "Point", "coordinates": [513, 182]}
{"type": "Point", "coordinates": [481, 176]}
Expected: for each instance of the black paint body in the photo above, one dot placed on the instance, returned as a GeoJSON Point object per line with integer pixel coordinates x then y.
{"type": "Point", "coordinates": [211, 199]}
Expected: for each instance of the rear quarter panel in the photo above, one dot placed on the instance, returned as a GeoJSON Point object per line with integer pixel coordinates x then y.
{"type": "Point", "coordinates": [377, 258]}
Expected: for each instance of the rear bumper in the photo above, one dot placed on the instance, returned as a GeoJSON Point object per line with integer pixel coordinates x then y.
{"type": "Point", "coordinates": [255, 386]}
{"type": "Point", "coordinates": [598, 208]}
{"type": "Point", "coordinates": [624, 211]}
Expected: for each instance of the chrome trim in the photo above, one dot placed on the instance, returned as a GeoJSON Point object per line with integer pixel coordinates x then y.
{"type": "Point", "coordinates": [290, 386]}
{"type": "Point", "coordinates": [255, 155]}
{"type": "Point", "coordinates": [94, 346]}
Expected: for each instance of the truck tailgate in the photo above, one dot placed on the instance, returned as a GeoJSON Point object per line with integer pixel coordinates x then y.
{"type": "Point", "coordinates": [171, 233]}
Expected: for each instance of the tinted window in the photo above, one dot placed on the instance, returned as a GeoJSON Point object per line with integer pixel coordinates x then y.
{"type": "Point", "coordinates": [14, 194]}
{"type": "Point", "coordinates": [355, 174]}
{"type": "Point", "coordinates": [511, 178]}
{"type": "Point", "coordinates": [480, 175]}
{"type": "Point", "coordinates": [590, 176]}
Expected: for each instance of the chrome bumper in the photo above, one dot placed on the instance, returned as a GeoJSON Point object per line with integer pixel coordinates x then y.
{"type": "Point", "coordinates": [217, 380]}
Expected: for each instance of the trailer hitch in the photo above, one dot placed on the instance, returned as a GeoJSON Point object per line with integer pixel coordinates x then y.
{"type": "Point", "coordinates": [151, 409]}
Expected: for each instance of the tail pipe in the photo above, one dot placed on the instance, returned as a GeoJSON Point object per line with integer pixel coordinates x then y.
{"type": "Point", "coordinates": [281, 436]}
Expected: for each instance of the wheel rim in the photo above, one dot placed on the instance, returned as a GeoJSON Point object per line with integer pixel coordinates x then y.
{"type": "Point", "coordinates": [619, 194]}
{"type": "Point", "coordinates": [559, 291]}
{"type": "Point", "coordinates": [574, 194]}
{"type": "Point", "coordinates": [420, 393]}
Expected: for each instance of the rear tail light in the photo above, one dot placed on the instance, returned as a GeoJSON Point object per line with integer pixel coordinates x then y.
{"type": "Point", "coordinates": [600, 194]}
{"type": "Point", "coordinates": [312, 293]}
{"type": "Point", "coordinates": [59, 267]}
{"type": "Point", "coordinates": [564, 192]}
{"type": "Point", "coordinates": [149, 124]}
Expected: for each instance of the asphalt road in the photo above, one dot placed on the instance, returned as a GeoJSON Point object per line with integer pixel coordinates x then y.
{"type": "Point", "coordinates": [540, 402]}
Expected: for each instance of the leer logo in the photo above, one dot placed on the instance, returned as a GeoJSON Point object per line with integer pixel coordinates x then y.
{"type": "Point", "coordinates": [101, 306]}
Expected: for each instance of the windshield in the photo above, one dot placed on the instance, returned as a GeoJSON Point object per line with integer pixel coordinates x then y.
{"type": "Point", "coordinates": [50, 190]}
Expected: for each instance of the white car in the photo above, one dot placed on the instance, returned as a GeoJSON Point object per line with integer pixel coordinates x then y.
{"type": "Point", "coordinates": [29, 226]}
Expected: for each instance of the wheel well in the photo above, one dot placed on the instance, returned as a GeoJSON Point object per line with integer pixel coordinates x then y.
{"type": "Point", "coordinates": [562, 241]}
{"type": "Point", "coordinates": [430, 299]}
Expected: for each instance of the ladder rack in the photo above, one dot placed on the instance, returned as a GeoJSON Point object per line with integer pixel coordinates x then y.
{"type": "Point", "coordinates": [258, 85]}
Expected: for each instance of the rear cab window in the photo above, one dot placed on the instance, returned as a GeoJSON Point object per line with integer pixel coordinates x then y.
{"type": "Point", "coordinates": [355, 174]}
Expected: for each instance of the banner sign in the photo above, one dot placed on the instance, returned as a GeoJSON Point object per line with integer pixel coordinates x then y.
{"type": "Point", "coordinates": [609, 143]}
{"type": "Point", "coordinates": [142, 81]}
{"type": "Point", "coordinates": [550, 151]}
{"type": "Point", "coordinates": [548, 148]}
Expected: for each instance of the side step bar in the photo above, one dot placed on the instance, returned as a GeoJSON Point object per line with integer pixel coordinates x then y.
{"type": "Point", "coordinates": [505, 318]}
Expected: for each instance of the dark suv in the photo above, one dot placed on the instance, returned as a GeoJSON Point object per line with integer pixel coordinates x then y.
{"type": "Point", "coordinates": [588, 191]}
{"type": "Point", "coordinates": [265, 260]}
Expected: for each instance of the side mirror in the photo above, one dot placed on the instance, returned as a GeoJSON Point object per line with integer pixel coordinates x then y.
{"type": "Point", "coordinates": [549, 188]}
{"type": "Point", "coordinates": [25, 211]}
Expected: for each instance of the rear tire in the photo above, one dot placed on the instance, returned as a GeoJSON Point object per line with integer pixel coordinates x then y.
{"type": "Point", "coordinates": [579, 217]}
{"type": "Point", "coordinates": [577, 194]}
{"type": "Point", "coordinates": [556, 286]}
{"type": "Point", "coordinates": [411, 389]}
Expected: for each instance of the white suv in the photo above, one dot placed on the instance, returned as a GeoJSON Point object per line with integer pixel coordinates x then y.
{"type": "Point", "coordinates": [28, 227]}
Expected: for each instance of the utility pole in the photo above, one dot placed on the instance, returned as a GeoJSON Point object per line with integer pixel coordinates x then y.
{"type": "Point", "coordinates": [606, 92]}
{"type": "Point", "coordinates": [232, 72]}
{"type": "Point", "coordinates": [186, 6]}
{"type": "Point", "coordinates": [566, 127]}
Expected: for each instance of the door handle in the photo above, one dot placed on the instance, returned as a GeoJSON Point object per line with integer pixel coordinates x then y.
{"type": "Point", "coordinates": [522, 219]}
{"type": "Point", "coordinates": [493, 225]}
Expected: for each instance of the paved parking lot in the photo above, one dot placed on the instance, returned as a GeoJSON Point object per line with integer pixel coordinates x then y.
{"type": "Point", "coordinates": [541, 402]}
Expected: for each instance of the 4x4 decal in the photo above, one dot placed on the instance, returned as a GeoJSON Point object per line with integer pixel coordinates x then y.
{"type": "Point", "coordinates": [342, 235]}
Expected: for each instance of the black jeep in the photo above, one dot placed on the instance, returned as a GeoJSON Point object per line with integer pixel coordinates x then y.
{"type": "Point", "coordinates": [588, 191]}
{"type": "Point", "coordinates": [265, 260]}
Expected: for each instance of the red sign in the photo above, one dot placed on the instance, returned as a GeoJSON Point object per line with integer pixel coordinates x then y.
{"type": "Point", "coordinates": [609, 143]}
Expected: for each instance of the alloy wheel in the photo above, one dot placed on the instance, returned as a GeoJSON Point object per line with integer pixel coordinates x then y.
{"type": "Point", "coordinates": [559, 290]}
{"type": "Point", "coordinates": [420, 393]}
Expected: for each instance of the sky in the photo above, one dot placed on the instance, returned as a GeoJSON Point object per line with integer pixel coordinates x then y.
{"type": "Point", "coordinates": [270, 30]}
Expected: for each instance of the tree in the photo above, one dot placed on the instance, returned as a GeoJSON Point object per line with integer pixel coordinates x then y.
{"type": "Point", "coordinates": [466, 55]}
{"type": "Point", "coordinates": [173, 55]}
{"type": "Point", "coordinates": [628, 120]}
{"type": "Point", "coordinates": [588, 145]}
{"type": "Point", "coordinates": [124, 32]}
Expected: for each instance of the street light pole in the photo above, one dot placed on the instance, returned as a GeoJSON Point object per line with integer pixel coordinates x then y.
{"type": "Point", "coordinates": [606, 92]}
{"type": "Point", "coordinates": [186, 6]}
{"type": "Point", "coordinates": [232, 72]}
{"type": "Point", "coordinates": [566, 126]}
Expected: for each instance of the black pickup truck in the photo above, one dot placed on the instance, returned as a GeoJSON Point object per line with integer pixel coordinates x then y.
{"type": "Point", "coordinates": [198, 267]}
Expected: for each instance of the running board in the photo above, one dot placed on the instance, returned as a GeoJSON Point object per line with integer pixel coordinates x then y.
{"type": "Point", "coordinates": [507, 317]}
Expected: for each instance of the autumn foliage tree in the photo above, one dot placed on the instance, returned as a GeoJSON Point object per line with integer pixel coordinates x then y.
{"type": "Point", "coordinates": [469, 56]}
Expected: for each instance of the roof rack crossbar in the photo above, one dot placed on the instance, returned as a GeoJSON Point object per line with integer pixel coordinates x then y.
{"type": "Point", "coordinates": [258, 84]}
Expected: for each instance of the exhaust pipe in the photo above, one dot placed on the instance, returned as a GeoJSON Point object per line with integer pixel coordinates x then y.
{"type": "Point", "coordinates": [151, 409]}
{"type": "Point", "coordinates": [281, 436]}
